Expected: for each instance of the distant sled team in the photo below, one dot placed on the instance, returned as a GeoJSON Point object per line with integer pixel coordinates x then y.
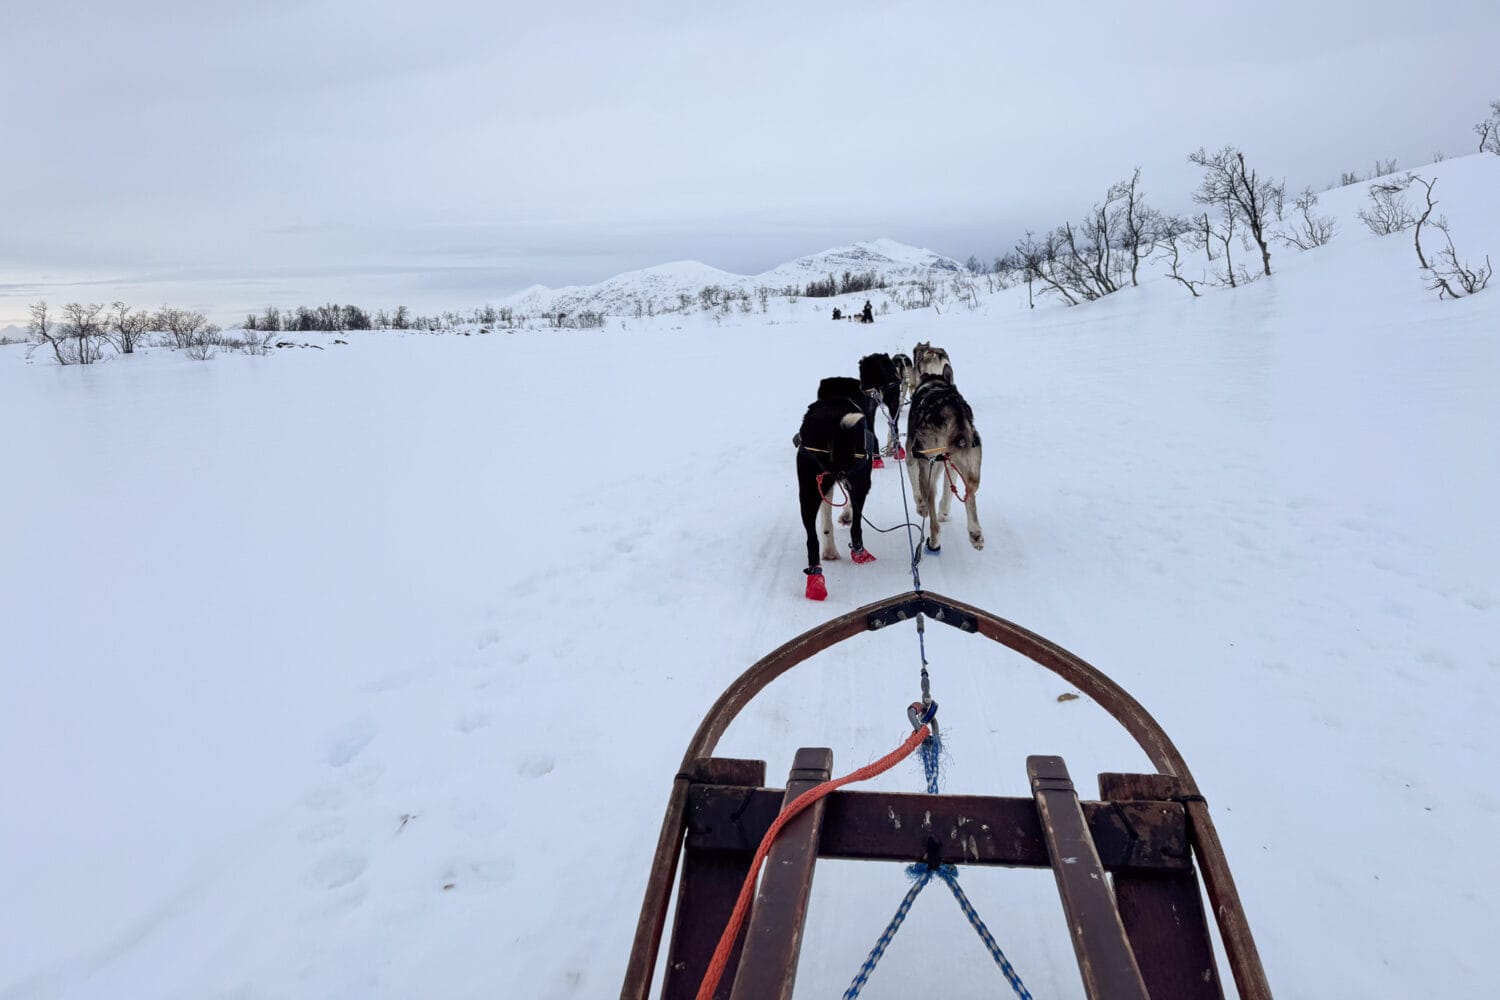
{"type": "Point", "coordinates": [838, 447]}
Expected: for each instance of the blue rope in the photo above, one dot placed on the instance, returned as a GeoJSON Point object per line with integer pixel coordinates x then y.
{"type": "Point", "coordinates": [931, 751]}
{"type": "Point", "coordinates": [949, 874]}
{"type": "Point", "coordinates": [922, 875]}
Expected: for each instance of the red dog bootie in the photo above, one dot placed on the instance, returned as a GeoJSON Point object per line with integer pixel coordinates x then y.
{"type": "Point", "coordinates": [861, 555]}
{"type": "Point", "coordinates": [817, 589]}
{"type": "Point", "coordinates": [877, 464]}
{"type": "Point", "coordinates": [900, 453]}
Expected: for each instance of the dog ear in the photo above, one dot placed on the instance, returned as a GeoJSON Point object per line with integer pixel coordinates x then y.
{"type": "Point", "coordinates": [948, 372]}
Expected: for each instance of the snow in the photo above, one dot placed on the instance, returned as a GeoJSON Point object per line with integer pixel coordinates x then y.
{"type": "Point", "coordinates": [297, 642]}
{"type": "Point", "coordinates": [660, 286]}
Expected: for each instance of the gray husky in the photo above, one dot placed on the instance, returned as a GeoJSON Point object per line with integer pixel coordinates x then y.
{"type": "Point", "coordinates": [943, 454]}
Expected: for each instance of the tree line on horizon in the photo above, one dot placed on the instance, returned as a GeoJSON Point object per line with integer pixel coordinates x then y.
{"type": "Point", "coordinates": [1239, 207]}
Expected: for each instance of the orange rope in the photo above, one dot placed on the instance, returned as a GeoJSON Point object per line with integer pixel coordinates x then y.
{"type": "Point", "coordinates": [950, 470]}
{"type": "Point", "coordinates": [742, 905]}
{"type": "Point", "coordinates": [825, 495]}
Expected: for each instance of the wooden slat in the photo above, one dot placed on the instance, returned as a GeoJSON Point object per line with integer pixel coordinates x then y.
{"type": "Point", "coordinates": [1105, 960]}
{"type": "Point", "coordinates": [1163, 911]}
{"type": "Point", "coordinates": [773, 940]}
{"type": "Point", "coordinates": [967, 829]}
{"type": "Point", "coordinates": [706, 892]}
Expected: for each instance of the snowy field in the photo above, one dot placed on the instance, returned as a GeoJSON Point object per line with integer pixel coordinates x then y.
{"type": "Point", "coordinates": [364, 672]}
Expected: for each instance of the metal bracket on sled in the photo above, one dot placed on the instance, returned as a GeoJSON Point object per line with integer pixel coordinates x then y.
{"type": "Point", "coordinates": [923, 605]}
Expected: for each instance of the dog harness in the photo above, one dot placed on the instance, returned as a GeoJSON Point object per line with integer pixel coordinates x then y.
{"type": "Point", "coordinates": [825, 451]}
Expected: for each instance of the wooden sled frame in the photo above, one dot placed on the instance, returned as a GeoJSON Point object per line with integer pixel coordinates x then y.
{"type": "Point", "coordinates": [1145, 936]}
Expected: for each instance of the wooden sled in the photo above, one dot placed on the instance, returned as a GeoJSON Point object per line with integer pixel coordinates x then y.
{"type": "Point", "coordinates": [1140, 933]}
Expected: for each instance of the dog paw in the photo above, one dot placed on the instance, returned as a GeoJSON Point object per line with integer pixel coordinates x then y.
{"type": "Point", "coordinates": [934, 549]}
{"type": "Point", "coordinates": [830, 555]}
{"type": "Point", "coordinates": [943, 516]}
{"type": "Point", "coordinates": [976, 539]}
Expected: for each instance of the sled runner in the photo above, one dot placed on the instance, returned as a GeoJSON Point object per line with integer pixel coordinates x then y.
{"type": "Point", "coordinates": [1127, 865]}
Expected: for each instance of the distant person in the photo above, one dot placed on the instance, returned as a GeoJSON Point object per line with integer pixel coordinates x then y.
{"type": "Point", "coordinates": [837, 314]}
{"type": "Point", "coordinates": [868, 314]}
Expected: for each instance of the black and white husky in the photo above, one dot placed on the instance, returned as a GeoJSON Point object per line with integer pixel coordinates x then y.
{"type": "Point", "coordinates": [833, 455]}
{"type": "Point", "coordinates": [878, 377]}
{"type": "Point", "coordinates": [943, 455]}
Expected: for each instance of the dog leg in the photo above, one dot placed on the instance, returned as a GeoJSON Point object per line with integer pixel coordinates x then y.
{"type": "Point", "coordinates": [947, 502]}
{"type": "Point", "coordinates": [931, 483]}
{"type": "Point", "coordinates": [914, 473]}
{"type": "Point", "coordinates": [830, 550]}
{"type": "Point", "coordinates": [971, 474]}
{"type": "Point", "coordinates": [809, 500]}
{"type": "Point", "coordinates": [859, 491]}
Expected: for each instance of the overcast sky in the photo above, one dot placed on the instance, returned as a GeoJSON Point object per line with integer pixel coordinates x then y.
{"type": "Point", "coordinates": [442, 153]}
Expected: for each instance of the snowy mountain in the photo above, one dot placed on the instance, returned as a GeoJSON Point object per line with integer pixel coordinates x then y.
{"type": "Point", "coordinates": [660, 287]}
{"type": "Point", "coordinates": [360, 711]}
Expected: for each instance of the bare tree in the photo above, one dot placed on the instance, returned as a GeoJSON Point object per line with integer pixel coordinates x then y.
{"type": "Point", "coordinates": [1027, 256]}
{"type": "Point", "coordinates": [1239, 191]}
{"type": "Point", "coordinates": [1384, 168]}
{"type": "Point", "coordinates": [84, 326]}
{"type": "Point", "coordinates": [1141, 227]}
{"type": "Point", "coordinates": [41, 330]}
{"type": "Point", "coordinates": [186, 327]}
{"type": "Point", "coordinates": [126, 327]}
{"type": "Point", "coordinates": [1489, 131]}
{"type": "Point", "coordinates": [1221, 235]}
{"type": "Point", "coordinates": [1307, 230]}
{"type": "Point", "coordinates": [1389, 211]}
{"type": "Point", "coordinates": [1349, 177]}
{"type": "Point", "coordinates": [1174, 231]}
{"type": "Point", "coordinates": [1445, 270]}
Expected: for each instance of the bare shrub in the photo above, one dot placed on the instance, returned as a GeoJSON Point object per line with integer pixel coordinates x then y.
{"type": "Point", "coordinates": [248, 341]}
{"type": "Point", "coordinates": [1384, 168]}
{"type": "Point", "coordinates": [965, 290]}
{"type": "Point", "coordinates": [1307, 229]}
{"type": "Point", "coordinates": [184, 325]}
{"type": "Point", "coordinates": [1389, 212]}
{"type": "Point", "coordinates": [1450, 277]}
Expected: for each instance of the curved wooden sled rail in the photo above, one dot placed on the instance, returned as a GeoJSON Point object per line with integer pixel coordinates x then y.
{"type": "Point", "coordinates": [1239, 943]}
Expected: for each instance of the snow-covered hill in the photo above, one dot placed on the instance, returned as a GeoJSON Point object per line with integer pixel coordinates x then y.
{"type": "Point", "coordinates": [660, 287]}
{"type": "Point", "coordinates": [364, 672]}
